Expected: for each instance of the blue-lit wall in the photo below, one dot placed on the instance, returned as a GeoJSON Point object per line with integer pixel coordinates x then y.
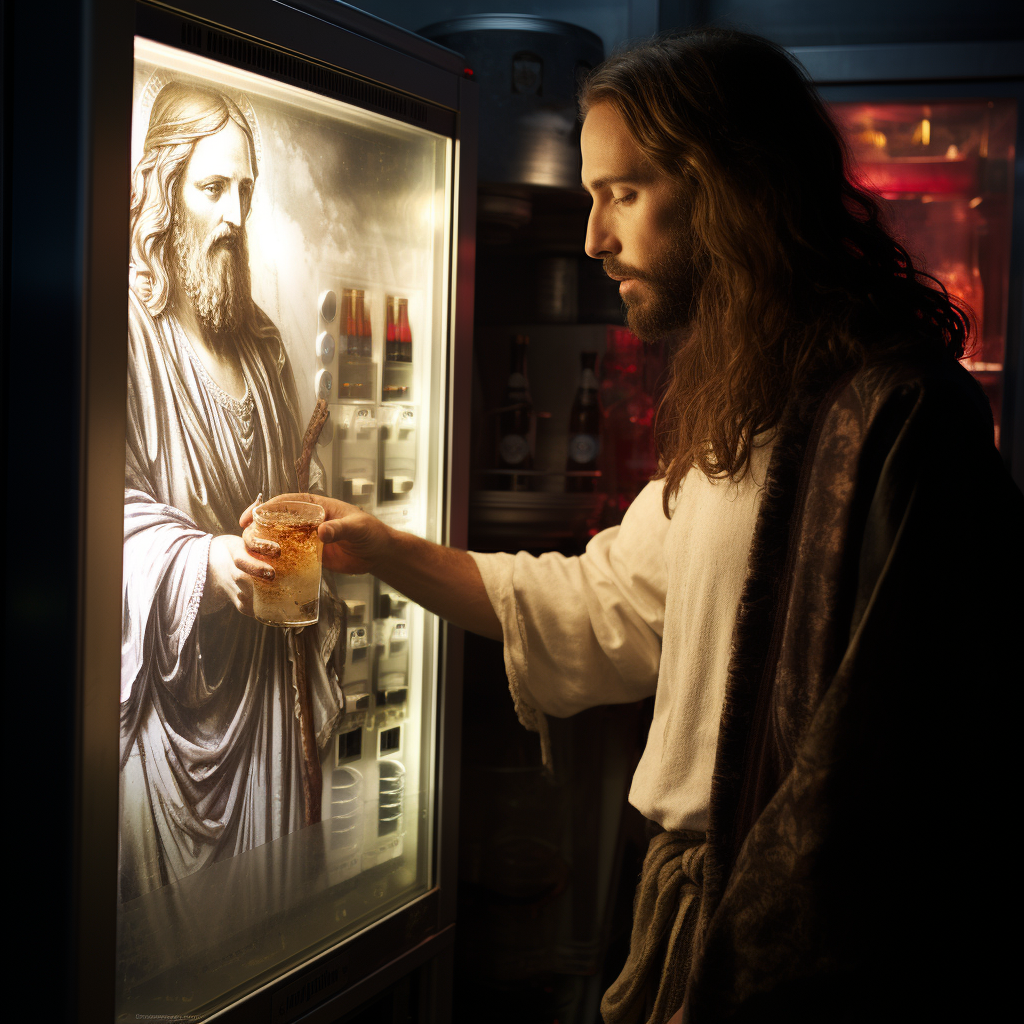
{"type": "Point", "coordinates": [790, 22]}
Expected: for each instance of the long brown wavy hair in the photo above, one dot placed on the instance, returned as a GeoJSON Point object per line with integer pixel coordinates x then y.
{"type": "Point", "coordinates": [182, 115]}
{"type": "Point", "coordinates": [798, 279]}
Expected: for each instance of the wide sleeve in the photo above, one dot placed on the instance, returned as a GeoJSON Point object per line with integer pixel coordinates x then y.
{"type": "Point", "coordinates": [585, 630]}
{"type": "Point", "coordinates": [164, 574]}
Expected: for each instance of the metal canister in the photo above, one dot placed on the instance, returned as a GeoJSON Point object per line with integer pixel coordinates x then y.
{"type": "Point", "coordinates": [528, 70]}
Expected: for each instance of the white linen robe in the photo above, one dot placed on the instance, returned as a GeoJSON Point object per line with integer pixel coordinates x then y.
{"type": "Point", "coordinates": [649, 608]}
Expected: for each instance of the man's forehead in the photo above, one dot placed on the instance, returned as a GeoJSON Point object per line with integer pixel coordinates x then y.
{"type": "Point", "coordinates": [610, 156]}
{"type": "Point", "coordinates": [226, 153]}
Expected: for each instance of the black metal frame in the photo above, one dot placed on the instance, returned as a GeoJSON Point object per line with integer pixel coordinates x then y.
{"type": "Point", "coordinates": [67, 77]}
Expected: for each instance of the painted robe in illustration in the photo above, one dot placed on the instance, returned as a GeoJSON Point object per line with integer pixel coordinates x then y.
{"type": "Point", "coordinates": [211, 751]}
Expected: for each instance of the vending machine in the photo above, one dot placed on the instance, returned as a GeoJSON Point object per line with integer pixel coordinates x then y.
{"type": "Point", "coordinates": [273, 225]}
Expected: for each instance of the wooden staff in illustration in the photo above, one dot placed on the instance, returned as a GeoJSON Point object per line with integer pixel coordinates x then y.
{"type": "Point", "coordinates": [312, 782]}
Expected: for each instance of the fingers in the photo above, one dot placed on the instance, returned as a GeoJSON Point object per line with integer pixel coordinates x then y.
{"type": "Point", "coordinates": [260, 545]}
{"type": "Point", "coordinates": [354, 543]}
{"type": "Point", "coordinates": [241, 592]}
{"type": "Point", "coordinates": [243, 599]}
{"type": "Point", "coordinates": [253, 567]}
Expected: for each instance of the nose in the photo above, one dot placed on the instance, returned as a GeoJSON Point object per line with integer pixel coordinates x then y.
{"type": "Point", "coordinates": [601, 240]}
{"type": "Point", "coordinates": [232, 210]}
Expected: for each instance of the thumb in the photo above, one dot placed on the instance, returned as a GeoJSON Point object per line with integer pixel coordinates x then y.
{"type": "Point", "coordinates": [330, 531]}
{"type": "Point", "coordinates": [350, 530]}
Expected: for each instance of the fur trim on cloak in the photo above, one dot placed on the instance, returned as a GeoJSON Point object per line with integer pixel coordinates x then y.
{"type": "Point", "coordinates": [846, 739]}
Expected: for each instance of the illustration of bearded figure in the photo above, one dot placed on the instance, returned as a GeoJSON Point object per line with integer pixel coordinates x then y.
{"type": "Point", "coordinates": [211, 744]}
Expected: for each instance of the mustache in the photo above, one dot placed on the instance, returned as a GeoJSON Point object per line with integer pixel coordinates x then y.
{"type": "Point", "coordinates": [614, 267]}
{"type": "Point", "coordinates": [225, 237]}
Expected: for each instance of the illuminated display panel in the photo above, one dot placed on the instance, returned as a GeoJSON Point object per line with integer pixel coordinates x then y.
{"type": "Point", "coordinates": [284, 247]}
{"type": "Point", "coordinates": [945, 171]}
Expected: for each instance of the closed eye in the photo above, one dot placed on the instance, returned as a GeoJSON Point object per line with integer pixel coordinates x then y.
{"type": "Point", "coordinates": [626, 199]}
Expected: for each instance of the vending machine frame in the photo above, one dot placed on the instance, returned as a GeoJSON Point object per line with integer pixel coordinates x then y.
{"type": "Point", "coordinates": [933, 72]}
{"type": "Point", "coordinates": [64, 269]}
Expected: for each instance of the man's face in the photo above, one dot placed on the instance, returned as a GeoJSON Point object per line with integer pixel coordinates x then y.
{"type": "Point", "coordinates": [638, 226]}
{"type": "Point", "coordinates": [211, 255]}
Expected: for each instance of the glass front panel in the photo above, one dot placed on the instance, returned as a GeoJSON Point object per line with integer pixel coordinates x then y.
{"type": "Point", "coordinates": [276, 783]}
{"type": "Point", "coordinates": [945, 170]}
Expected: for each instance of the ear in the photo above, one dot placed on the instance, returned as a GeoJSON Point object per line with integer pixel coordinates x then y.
{"type": "Point", "coordinates": [141, 282]}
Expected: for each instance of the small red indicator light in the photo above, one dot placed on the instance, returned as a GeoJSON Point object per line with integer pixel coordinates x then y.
{"type": "Point", "coordinates": [468, 72]}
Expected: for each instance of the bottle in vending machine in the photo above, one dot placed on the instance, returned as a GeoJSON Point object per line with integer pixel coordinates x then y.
{"type": "Point", "coordinates": [584, 428]}
{"type": "Point", "coordinates": [349, 339]}
{"type": "Point", "coordinates": [396, 380]}
{"type": "Point", "coordinates": [356, 371]}
{"type": "Point", "coordinates": [391, 332]}
{"type": "Point", "coordinates": [404, 334]}
{"type": "Point", "coordinates": [364, 332]}
{"type": "Point", "coordinates": [515, 451]}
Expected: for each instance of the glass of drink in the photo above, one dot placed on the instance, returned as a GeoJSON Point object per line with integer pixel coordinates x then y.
{"type": "Point", "coordinates": [292, 597]}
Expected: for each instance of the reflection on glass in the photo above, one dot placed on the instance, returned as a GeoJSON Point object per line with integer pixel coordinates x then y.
{"type": "Point", "coordinates": [275, 782]}
{"type": "Point", "coordinates": [944, 169]}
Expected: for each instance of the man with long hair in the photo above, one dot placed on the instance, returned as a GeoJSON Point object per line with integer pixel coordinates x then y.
{"type": "Point", "coordinates": [211, 752]}
{"type": "Point", "coordinates": [788, 586]}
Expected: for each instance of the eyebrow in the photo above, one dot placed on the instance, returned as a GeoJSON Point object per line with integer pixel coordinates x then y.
{"type": "Point", "coordinates": [635, 178]}
{"type": "Point", "coordinates": [211, 178]}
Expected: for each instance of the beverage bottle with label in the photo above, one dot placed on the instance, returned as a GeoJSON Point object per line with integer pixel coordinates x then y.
{"type": "Point", "coordinates": [363, 326]}
{"type": "Point", "coordinates": [391, 334]}
{"type": "Point", "coordinates": [584, 428]}
{"type": "Point", "coordinates": [404, 333]}
{"type": "Point", "coordinates": [349, 341]}
{"type": "Point", "coordinates": [515, 423]}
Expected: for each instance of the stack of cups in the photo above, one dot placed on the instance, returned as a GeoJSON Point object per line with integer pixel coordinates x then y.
{"type": "Point", "coordinates": [346, 784]}
{"type": "Point", "coordinates": [392, 791]}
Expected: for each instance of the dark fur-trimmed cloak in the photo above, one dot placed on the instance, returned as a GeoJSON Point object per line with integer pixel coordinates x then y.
{"type": "Point", "coordinates": [857, 849]}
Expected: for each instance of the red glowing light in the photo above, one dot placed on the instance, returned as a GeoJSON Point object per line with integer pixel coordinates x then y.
{"type": "Point", "coordinates": [939, 177]}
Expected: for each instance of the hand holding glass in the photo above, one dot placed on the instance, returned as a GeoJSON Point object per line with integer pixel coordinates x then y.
{"type": "Point", "coordinates": [292, 597]}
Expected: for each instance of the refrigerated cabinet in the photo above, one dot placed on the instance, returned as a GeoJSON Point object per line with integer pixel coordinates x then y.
{"type": "Point", "coordinates": [278, 831]}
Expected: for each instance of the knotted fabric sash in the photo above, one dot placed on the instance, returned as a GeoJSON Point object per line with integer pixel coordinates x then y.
{"type": "Point", "coordinates": [665, 912]}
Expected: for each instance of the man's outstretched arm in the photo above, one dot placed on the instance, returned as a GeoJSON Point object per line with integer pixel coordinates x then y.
{"type": "Point", "coordinates": [443, 580]}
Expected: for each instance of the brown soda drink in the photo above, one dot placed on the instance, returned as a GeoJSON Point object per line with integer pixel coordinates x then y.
{"type": "Point", "coordinates": [292, 598]}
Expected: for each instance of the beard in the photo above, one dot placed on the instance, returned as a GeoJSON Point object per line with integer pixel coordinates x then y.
{"type": "Point", "coordinates": [213, 272]}
{"type": "Point", "coordinates": [664, 305]}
